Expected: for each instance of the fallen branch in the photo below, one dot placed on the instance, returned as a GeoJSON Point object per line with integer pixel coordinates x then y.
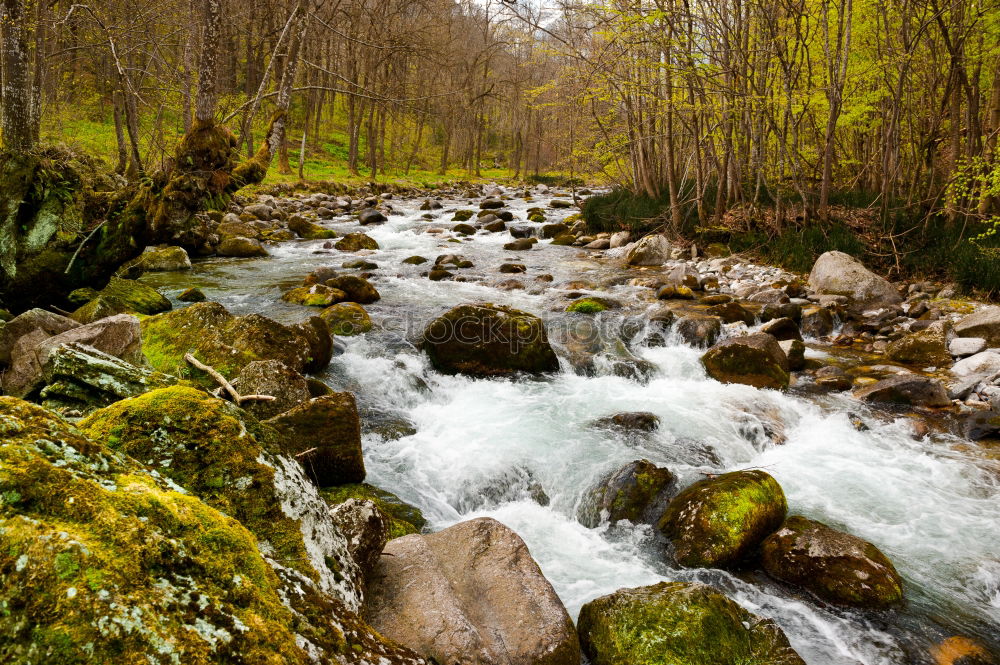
{"type": "Point", "coordinates": [226, 386]}
{"type": "Point", "coordinates": [306, 452]}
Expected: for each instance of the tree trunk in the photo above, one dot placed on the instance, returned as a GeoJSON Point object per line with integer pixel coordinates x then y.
{"type": "Point", "coordinates": [17, 93]}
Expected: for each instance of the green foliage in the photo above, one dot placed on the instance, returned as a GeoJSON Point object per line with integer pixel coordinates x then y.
{"type": "Point", "coordinates": [797, 249]}
{"type": "Point", "coordinates": [620, 210]}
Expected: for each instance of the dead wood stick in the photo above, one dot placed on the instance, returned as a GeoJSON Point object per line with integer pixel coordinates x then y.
{"type": "Point", "coordinates": [221, 380]}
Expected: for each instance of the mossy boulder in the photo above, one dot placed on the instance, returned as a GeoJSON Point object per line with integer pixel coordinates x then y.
{"type": "Point", "coordinates": [347, 319]}
{"type": "Point", "coordinates": [489, 340]}
{"type": "Point", "coordinates": [105, 560]}
{"type": "Point", "coordinates": [404, 519]}
{"type": "Point", "coordinates": [699, 329]}
{"type": "Point", "coordinates": [756, 360]}
{"type": "Point", "coordinates": [272, 378]}
{"type": "Point", "coordinates": [719, 522]}
{"type": "Point", "coordinates": [462, 215]}
{"type": "Point", "coordinates": [587, 306]}
{"type": "Point", "coordinates": [357, 289]}
{"type": "Point", "coordinates": [835, 566]}
{"type": "Point", "coordinates": [226, 342]}
{"type": "Point", "coordinates": [925, 347]}
{"type": "Point", "coordinates": [309, 230]}
{"type": "Point", "coordinates": [354, 242]}
{"type": "Point", "coordinates": [241, 247]}
{"type": "Point", "coordinates": [638, 492]}
{"type": "Point", "coordinates": [192, 294]}
{"type": "Point", "coordinates": [415, 260]}
{"type": "Point", "coordinates": [163, 259]}
{"type": "Point", "coordinates": [564, 239]}
{"type": "Point", "coordinates": [122, 296]}
{"type": "Point", "coordinates": [316, 295]}
{"type": "Point", "coordinates": [731, 312]}
{"type": "Point", "coordinates": [676, 623]}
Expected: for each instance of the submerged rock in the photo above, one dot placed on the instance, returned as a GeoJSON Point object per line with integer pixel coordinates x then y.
{"type": "Point", "coordinates": [836, 566]}
{"type": "Point", "coordinates": [679, 623]}
{"type": "Point", "coordinates": [470, 593]}
{"type": "Point", "coordinates": [839, 274]}
{"type": "Point", "coordinates": [638, 492]}
{"type": "Point", "coordinates": [630, 421]}
{"type": "Point", "coordinates": [719, 522]}
{"type": "Point", "coordinates": [756, 360]}
{"type": "Point", "coordinates": [489, 340]}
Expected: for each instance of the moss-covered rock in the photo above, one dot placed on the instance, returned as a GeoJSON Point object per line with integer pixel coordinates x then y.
{"type": "Point", "coordinates": [925, 347]}
{"type": "Point", "coordinates": [316, 295]}
{"type": "Point", "coordinates": [226, 342]}
{"type": "Point", "coordinates": [241, 247]}
{"type": "Point", "coordinates": [719, 522]}
{"type": "Point", "coordinates": [756, 360]}
{"type": "Point", "coordinates": [587, 306]}
{"type": "Point", "coordinates": [347, 319]}
{"type": "Point", "coordinates": [462, 215]}
{"type": "Point", "coordinates": [354, 242]}
{"type": "Point", "coordinates": [192, 294]}
{"type": "Point", "coordinates": [674, 623]}
{"type": "Point", "coordinates": [358, 289]}
{"type": "Point", "coordinates": [122, 296]}
{"type": "Point", "coordinates": [164, 259]}
{"type": "Point", "coordinates": [489, 340]}
{"type": "Point", "coordinates": [836, 566]}
{"type": "Point", "coordinates": [638, 492]}
{"type": "Point", "coordinates": [103, 560]}
{"type": "Point", "coordinates": [404, 519]}
{"type": "Point", "coordinates": [309, 230]}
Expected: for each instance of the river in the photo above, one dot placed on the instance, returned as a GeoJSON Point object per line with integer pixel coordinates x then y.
{"type": "Point", "coordinates": [461, 448]}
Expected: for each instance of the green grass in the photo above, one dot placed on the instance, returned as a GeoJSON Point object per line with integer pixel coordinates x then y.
{"type": "Point", "coordinates": [620, 210]}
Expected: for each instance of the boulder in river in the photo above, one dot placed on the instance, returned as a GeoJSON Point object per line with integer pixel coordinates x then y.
{"type": "Point", "coordinates": [925, 347]}
{"type": "Point", "coordinates": [719, 522]}
{"type": "Point", "coordinates": [816, 321]}
{"type": "Point", "coordinates": [489, 340]}
{"type": "Point", "coordinates": [835, 566]}
{"type": "Point", "coordinates": [677, 623]}
{"type": "Point", "coordinates": [192, 294]}
{"type": "Point", "coordinates": [782, 329]}
{"type": "Point", "coordinates": [357, 289]}
{"type": "Point", "coordinates": [699, 329]}
{"type": "Point", "coordinates": [652, 250]}
{"type": "Point", "coordinates": [630, 421]}
{"type": "Point", "coordinates": [347, 319]}
{"type": "Point", "coordinates": [984, 323]}
{"type": "Point", "coordinates": [240, 247]}
{"type": "Point", "coordinates": [164, 259]}
{"type": "Point", "coordinates": [908, 389]}
{"type": "Point", "coordinates": [840, 274]}
{"type": "Point", "coordinates": [354, 242]}
{"type": "Point", "coordinates": [315, 295]}
{"type": "Point", "coordinates": [470, 594]}
{"type": "Point", "coordinates": [756, 360]}
{"type": "Point", "coordinates": [638, 492]}
{"type": "Point", "coordinates": [371, 216]}
{"type": "Point", "coordinates": [985, 363]}
{"type": "Point", "coordinates": [324, 435]}
{"type": "Point", "coordinates": [732, 312]}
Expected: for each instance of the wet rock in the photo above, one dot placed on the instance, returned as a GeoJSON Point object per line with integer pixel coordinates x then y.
{"type": "Point", "coordinates": [226, 342]}
{"type": "Point", "coordinates": [564, 239]}
{"type": "Point", "coordinates": [816, 322]}
{"type": "Point", "coordinates": [354, 242]}
{"type": "Point", "coordinates": [519, 245]}
{"type": "Point", "coordinates": [926, 347]}
{"type": "Point", "coordinates": [653, 250]}
{"type": "Point", "coordinates": [837, 273]}
{"type": "Point", "coordinates": [366, 530]}
{"type": "Point", "coordinates": [959, 650]}
{"type": "Point", "coordinates": [910, 389]}
{"type": "Point", "coordinates": [371, 216]}
{"type": "Point", "coordinates": [560, 203]}
{"type": "Point", "coordinates": [674, 292]}
{"type": "Point", "coordinates": [467, 594]}
{"type": "Point", "coordinates": [360, 264]}
{"type": "Point", "coordinates": [638, 492]}
{"type": "Point", "coordinates": [984, 323]}
{"type": "Point", "coordinates": [699, 329]}
{"type": "Point", "coordinates": [166, 259]}
{"type": "Point", "coordinates": [678, 622]}
{"type": "Point", "coordinates": [319, 342]}
{"type": "Point", "coordinates": [719, 522]}
{"type": "Point", "coordinates": [491, 204]}
{"type": "Point", "coordinates": [755, 360]}
{"type": "Point", "coordinates": [731, 312]}
{"type": "Point", "coordinates": [489, 340]}
{"type": "Point", "coordinates": [630, 421]}
{"type": "Point", "coordinates": [981, 425]}
{"type": "Point", "coordinates": [438, 274]}
{"type": "Point", "coordinates": [782, 329]}
{"type": "Point", "coordinates": [795, 351]}
{"type": "Point", "coordinates": [835, 566]}
{"type": "Point", "coordinates": [273, 378]}
{"type": "Point", "coordinates": [513, 268]}
{"type": "Point", "coordinates": [984, 363]}
{"type": "Point", "coordinates": [316, 295]}
{"type": "Point", "coordinates": [240, 247]}
{"type": "Point", "coordinates": [404, 519]}
{"type": "Point", "coordinates": [324, 435]}
{"type": "Point", "coordinates": [415, 260]}
{"type": "Point", "coordinates": [34, 319]}
{"type": "Point", "coordinates": [357, 289]}
{"type": "Point", "coordinates": [588, 305]}
{"type": "Point", "coordinates": [346, 319]}
{"type": "Point", "coordinates": [599, 243]}
{"type": "Point", "coordinates": [464, 229]}
{"type": "Point", "coordinates": [552, 230]}
{"type": "Point", "coordinates": [309, 230]}
{"type": "Point", "coordinates": [192, 294]}
{"type": "Point", "coordinates": [961, 347]}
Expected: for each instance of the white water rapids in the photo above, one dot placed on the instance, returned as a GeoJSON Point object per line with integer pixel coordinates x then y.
{"type": "Point", "coordinates": [483, 447]}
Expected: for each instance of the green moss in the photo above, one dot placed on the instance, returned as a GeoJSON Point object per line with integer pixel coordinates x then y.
{"type": "Point", "coordinates": [462, 215]}
{"type": "Point", "coordinates": [347, 318]}
{"type": "Point", "coordinates": [404, 519]}
{"type": "Point", "coordinates": [586, 306]}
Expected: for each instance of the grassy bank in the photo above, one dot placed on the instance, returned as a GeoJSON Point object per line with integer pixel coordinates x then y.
{"type": "Point", "coordinates": [907, 245]}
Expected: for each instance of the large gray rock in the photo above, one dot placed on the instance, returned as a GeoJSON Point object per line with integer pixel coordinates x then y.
{"type": "Point", "coordinates": [985, 323]}
{"type": "Point", "coordinates": [839, 274]}
{"type": "Point", "coordinates": [907, 389]}
{"type": "Point", "coordinates": [984, 363]}
{"type": "Point", "coordinates": [470, 594]}
{"type": "Point", "coordinates": [84, 378]}
{"type": "Point", "coordinates": [653, 250]}
{"type": "Point", "coordinates": [961, 347]}
{"type": "Point", "coordinates": [33, 319]}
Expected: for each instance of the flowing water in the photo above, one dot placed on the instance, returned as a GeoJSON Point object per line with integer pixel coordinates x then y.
{"type": "Point", "coordinates": [461, 448]}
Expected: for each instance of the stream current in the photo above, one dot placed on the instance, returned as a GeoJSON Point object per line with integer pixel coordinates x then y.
{"type": "Point", "coordinates": [460, 448]}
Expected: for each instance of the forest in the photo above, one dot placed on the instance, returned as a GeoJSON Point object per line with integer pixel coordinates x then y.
{"type": "Point", "coordinates": [500, 332]}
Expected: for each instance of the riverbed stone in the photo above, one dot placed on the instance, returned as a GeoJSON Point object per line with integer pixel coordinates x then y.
{"type": "Point", "coordinates": [489, 340]}
{"type": "Point", "coordinates": [315, 295]}
{"type": "Point", "coordinates": [324, 435]}
{"type": "Point", "coordinates": [756, 360]}
{"type": "Point", "coordinates": [241, 247]}
{"type": "Point", "coordinates": [164, 259]}
{"type": "Point", "coordinates": [985, 363]}
{"type": "Point", "coordinates": [652, 250]}
{"type": "Point", "coordinates": [782, 329]}
{"type": "Point", "coordinates": [719, 522]}
{"type": "Point", "coordinates": [638, 492]}
{"type": "Point", "coordinates": [730, 312]}
{"type": "Point", "coordinates": [816, 322]}
{"type": "Point", "coordinates": [679, 623]}
{"type": "Point", "coordinates": [354, 242]}
{"type": "Point", "coordinates": [273, 378]}
{"type": "Point", "coordinates": [835, 566]}
{"type": "Point", "coordinates": [357, 289]}
{"type": "Point", "coordinates": [470, 594]}
{"type": "Point", "coordinates": [630, 421]}
{"type": "Point", "coordinates": [192, 294]}
{"type": "Point", "coordinates": [983, 323]}
{"type": "Point", "coordinates": [840, 274]}
{"type": "Point", "coordinates": [906, 389]}
{"type": "Point", "coordinates": [962, 347]}
{"type": "Point", "coordinates": [925, 347]}
{"type": "Point", "coordinates": [371, 216]}
{"type": "Point", "coordinates": [699, 329]}
{"type": "Point", "coordinates": [347, 319]}
{"type": "Point", "coordinates": [795, 352]}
